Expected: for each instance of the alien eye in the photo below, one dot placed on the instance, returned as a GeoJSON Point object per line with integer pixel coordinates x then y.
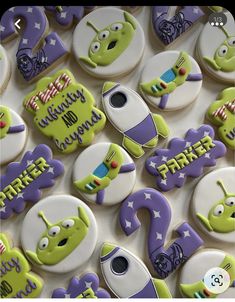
{"type": "Point", "coordinates": [119, 265]}
{"type": "Point", "coordinates": [219, 210]}
{"type": "Point", "coordinates": [54, 231]}
{"type": "Point", "coordinates": [95, 46]}
{"type": "Point", "coordinates": [104, 35]}
{"type": "Point", "coordinates": [230, 201]}
{"type": "Point", "coordinates": [231, 41]}
{"type": "Point", "coordinates": [222, 50]}
{"type": "Point", "coordinates": [68, 223]}
{"type": "Point", "coordinates": [116, 26]}
{"type": "Point", "coordinates": [43, 243]}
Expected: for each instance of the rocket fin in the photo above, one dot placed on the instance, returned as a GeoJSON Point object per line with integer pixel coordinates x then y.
{"type": "Point", "coordinates": [162, 289]}
{"type": "Point", "coordinates": [161, 125]}
{"type": "Point", "coordinates": [134, 148]}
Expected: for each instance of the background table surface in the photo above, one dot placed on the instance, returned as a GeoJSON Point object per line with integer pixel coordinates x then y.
{"type": "Point", "coordinates": [180, 121]}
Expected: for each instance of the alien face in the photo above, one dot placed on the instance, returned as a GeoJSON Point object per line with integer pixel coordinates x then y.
{"type": "Point", "coordinates": [5, 121]}
{"type": "Point", "coordinates": [60, 239]}
{"type": "Point", "coordinates": [164, 265]}
{"type": "Point", "coordinates": [110, 42]}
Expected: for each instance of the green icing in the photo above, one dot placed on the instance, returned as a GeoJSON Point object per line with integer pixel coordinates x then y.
{"type": "Point", "coordinates": [68, 233]}
{"type": "Point", "coordinates": [216, 8]}
{"type": "Point", "coordinates": [93, 183]}
{"type": "Point", "coordinates": [221, 216]}
{"type": "Point", "coordinates": [106, 249]}
{"type": "Point", "coordinates": [88, 294]}
{"type": "Point", "coordinates": [16, 279]}
{"type": "Point", "coordinates": [110, 42]}
{"type": "Point", "coordinates": [68, 116]}
{"type": "Point", "coordinates": [162, 289]}
{"type": "Point", "coordinates": [158, 87]}
{"type": "Point", "coordinates": [222, 113]}
{"type": "Point", "coordinates": [5, 121]}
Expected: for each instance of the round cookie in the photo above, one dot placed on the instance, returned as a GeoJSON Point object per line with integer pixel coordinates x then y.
{"type": "Point", "coordinates": [104, 173]}
{"type": "Point", "coordinates": [108, 42]}
{"type": "Point", "coordinates": [171, 80]}
{"type": "Point", "coordinates": [5, 69]}
{"type": "Point", "coordinates": [13, 134]}
{"type": "Point", "coordinates": [213, 204]}
{"type": "Point", "coordinates": [216, 50]}
{"type": "Point", "coordinates": [59, 233]}
{"type": "Point", "coordinates": [214, 278]}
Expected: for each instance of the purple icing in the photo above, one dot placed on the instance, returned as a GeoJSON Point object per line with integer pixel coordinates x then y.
{"type": "Point", "coordinates": [143, 132]}
{"type": "Point", "coordinates": [127, 168]}
{"type": "Point", "coordinates": [77, 287]}
{"type": "Point", "coordinates": [68, 13]}
{"type": "Point", "coordinates": [100, 197]}
{"type": "Point", "coordinates": [29, 64]}
{"type": "Point", "coordinates": [149, 291]}
{"type": "Point", "coordinates": [31, 192]}
{"type": "Point", "coordinates": [164, 261]}
{"type": "Point", "coordinates": [169, 30]}
{"type": "Point", "coordinates": [194, 77]}
{"type": "Point", "coordinates": [16, 129]}
{"type": "Point", "coordinates": [194, 168]}
{"type": "Point", "coordinates": [163, 101]}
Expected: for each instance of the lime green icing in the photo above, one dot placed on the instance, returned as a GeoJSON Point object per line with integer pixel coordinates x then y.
{"type": "Point", "coordinates": [107, 86]}
{"type": "Point", "coordinates": [220, 217]}
{"type": "Point", "coordinates": [5, 120]}
{"type": "Point", "coordinates": [106, 249]}
{"type": "Point", "coordinates": [110, 42]}
{"type": "Point", "coordinates": [216, 8]}
{"type": "Point", "coordinates": [162, 289]}
{"type": "Point", "coordinates": [88, 294]}
{"type": "Point", "coordinates": [16, 279]}
{"type": "Point", "coordinates": [93, 183]}
{"type": "Point", "coordinates": [72, 229]}
{"type": "Point", "coordinates": [154, 87]}
{"type": "Point", "coordinates": [69, 116]}
{"type": "Point", "coordinates": [222, 114]}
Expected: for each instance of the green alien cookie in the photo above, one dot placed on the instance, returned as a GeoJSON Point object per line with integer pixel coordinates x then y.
{"type": "Point", "coordinates": [222, 114]}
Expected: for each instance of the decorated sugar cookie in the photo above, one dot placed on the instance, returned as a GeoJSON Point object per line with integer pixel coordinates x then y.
{"type": "Point", "coordinates": [17, 280]}
{"type": "Point", "coordinates": [86, 286]}
{"type": "Point", "coordinates": [185, 157]}
{"type": "Point", "coordinates": [104, 173]}
{"type": "Point", "coordinates": [59, 233]}
{"type": "Point", "coordinates": [140, 129]}
{"type": "Point", "coordinates": [165, 261]}
{"type": "Point", "coordinates": [169, 29]}
{"type": "Point", "coordinates": [5, 69]}
{"type": "Point", "coordinates": [127, 276]}
{"type": "Point", "coordinates": [216, 49]}
{"type": "Point", "coordinates": [112, 42]}
{"type": "Point", "coordinates": [64, 111]}
{"type": "Point", "coordinates": [24, 180]}
{"type": "Point", "coordinates": [13, 134]}
{"type": "Point", "coordinates": [222, 114]}
{"type": "Point", "coordinates": [213, 204]}
{"type": "Point", "coordinates": [213, 279]}
{"type": "Point", "coordinates": [171, 80]}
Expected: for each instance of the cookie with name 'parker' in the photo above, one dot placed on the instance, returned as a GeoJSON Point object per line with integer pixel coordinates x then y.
{"type": "Point", "coordinates": [185, 157]}
{"type": "Point", "coordinates": [65, 111]}
{"type": "Point", "coordinates": [23, 181]}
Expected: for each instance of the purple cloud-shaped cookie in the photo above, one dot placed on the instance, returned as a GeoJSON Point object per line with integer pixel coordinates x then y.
{"type": "Point", "coordinates": [24, 180]}
{"type": "Point", "coordinates": [85, 287]}
{"type": "Point", "coordinates": [185, 157]}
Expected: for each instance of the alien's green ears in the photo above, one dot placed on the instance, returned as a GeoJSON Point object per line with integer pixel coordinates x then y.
{"type": "Point", "coordinates": [212, 63]}
{"type": "Point", "coordinates": [205, 222]}
{"type": "Point", "coordinates": [33, 257]}
{"type": "Point", "coordinates": [128, 18]}
{"type": "Point", "coordinates": [88, 61]}
{"type": "Point", "coordinates": [83, 216]}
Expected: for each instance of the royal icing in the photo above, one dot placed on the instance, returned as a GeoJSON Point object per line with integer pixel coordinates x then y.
{"type": "Point", "coordinates": [13, 134]}
{"type": "Point", "coordinates": [113, 42]}
{"type": "Point", "coordinates": [17, 281]}
{"type": "Point", "coordinates": [63, 236]}
{"type": "Point", "coordinates": [214, 279]}
{"type": "Point", "coordinates": [222, 114]}
{"type": "Point", "coordinates": [164, 261]}
{"type": "Point", "coordinates": [5, 69]}
{"type": "Point", "coordinates": [29, 63]}
{"type": "Point", "coordinates": [143, 128]}
{"type": "Point", "coordinates": [104, 173]}
{"type": "Point", "coordinates": [213, 204]}
{"type": "Point", "coordinates": [64, 111]}
{"type": "Point", "coordinates": [168, 30]}
{"type": "Point", "coordinates": [216, 49]}
{"type": "Point", "coordinates": [171, 80]}
{"type": "Point", "coordinates": [86, 286]}
{"type": "Point", "coordinates": [24, 180]}
{"type": "Point", "coordinates": [185, 157]}
{"type": "Point", "coordinates": [127, 276]}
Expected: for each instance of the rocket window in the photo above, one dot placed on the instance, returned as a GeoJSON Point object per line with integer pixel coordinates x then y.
{"type": "Point", "coordinates": [118, 100]}
{"type": "Point", "coordinates": [119, 265]}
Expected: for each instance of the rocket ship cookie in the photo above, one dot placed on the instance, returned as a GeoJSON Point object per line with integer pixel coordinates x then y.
{"type": "Point", "coordinates": [140, 129]}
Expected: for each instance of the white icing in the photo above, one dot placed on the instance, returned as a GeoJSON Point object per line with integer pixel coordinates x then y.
{"type": "Point", "coordinates": [4, 68]}
{"type": "Point", "coordinates": [92, 157]}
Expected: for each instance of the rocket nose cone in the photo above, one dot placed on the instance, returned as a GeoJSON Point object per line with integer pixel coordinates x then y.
{"type": "Point", "coordinates": [106, 249]}
{"type": "Point", "coordinates": [107, 86]}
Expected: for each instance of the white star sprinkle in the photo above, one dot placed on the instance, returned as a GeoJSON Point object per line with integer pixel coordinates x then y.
{"type": "Point", "coordinates": [207, 155]}
{"type": "Point", "coordinates": [163, 181]}
{"type": "Point", "coordinates": [152, 164]}
{"type": "Point", "coordinates": [20, 195]}
{"type": "Point", "coordinates": [147, 196]}
{"type": "Point", "coordinates": [12, 9]}
{"type": "Point", "coordinates": [128, 224]}
{"type": "Point", "coordinates": [3, 209]}
{"type": "Point", "coordinates": [195, 10]}
{"type": "Point", "coordinates": [206, 133]}
{"type": "Point", "coordinates": [37, 25]}
{"type": "Point", "coordinates": [29, 10]}
{"type": "Point", "coordinates": [164, 158]}
{"type": "Point", "coordinates": [187, 234]}
{"type": "Point", "coordinates": [130, 204]}
{"type": "Point", "coordinates": [159, 236]}
{"type": "Point", "coordinates": [159, 14]}
{"type": "Point", "coordinates": [29, 162]}
{"type": "Point", "coordinates": [181, 175]}
{"type": "Point", "coordinates": [156, 214]}
{"type": "Point", "coordinates": [52, 42]}
{"type": "Point", "coordinates": [51, 170]}
{"type": "Point", "coordinates": [67, 296]}
{"type": "Point", "coordinates": [2, 28]}
{"type": "Point", "coordinates": [63, 15]}
{"type": "Point", "coordinates": [188, 144]}
{"type": "Point", "coordinates": [88, 284]}
{"type": "Point", "coordinates": [25, 41]}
